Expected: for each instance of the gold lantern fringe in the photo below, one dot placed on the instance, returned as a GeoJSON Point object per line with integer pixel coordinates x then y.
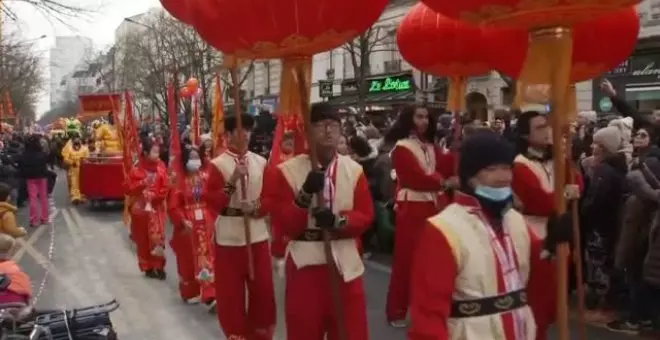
{"type": "Point", "coordinates": [456, 94]}
{"type": "Point", "coordinates": [289, 92]}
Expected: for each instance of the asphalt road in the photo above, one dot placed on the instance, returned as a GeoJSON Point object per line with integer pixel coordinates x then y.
{"type": "Point", "coordinates": [85, 258]}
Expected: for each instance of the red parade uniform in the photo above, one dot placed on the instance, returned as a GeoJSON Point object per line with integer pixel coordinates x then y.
{"type": "Point", "coordinates": [279, 240]}
{"type": "Point", "coordinates": [469, 281]}
{"type": "Point", "coordinates": [310, 313]}
{"type": "Point", "coordinates": [193, 248]}
{"type": "Point", "coordinates": [231, 260]}
{"type": "Point", "coordinates": [420, 170]}
{"type": "Point", "coordinates": [533, 185]}
{"type": "Point", "coordinates": [148, 187]}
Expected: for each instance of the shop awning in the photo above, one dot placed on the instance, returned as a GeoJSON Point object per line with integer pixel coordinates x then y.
{"type": "Point", "coordinates": [643, 93]}
{"type": "Point", "coordinates": [375, 98]}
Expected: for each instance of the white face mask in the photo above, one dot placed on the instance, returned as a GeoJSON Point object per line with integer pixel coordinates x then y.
{"type": "Point", "coordinates": [194, 165]}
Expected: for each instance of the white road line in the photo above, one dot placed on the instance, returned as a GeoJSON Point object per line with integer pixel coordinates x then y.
{"type": "Point", "coordinates": [71, 227]}
{"type": "Point", "coordinates": [33, 238]}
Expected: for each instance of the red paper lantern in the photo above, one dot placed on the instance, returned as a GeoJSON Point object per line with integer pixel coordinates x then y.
{"type": "Point", "coordinates": [527, 13]}
{"type": "Point", "coordinates": [185, 92]}
{"type": "Point", "coordinates": [591, 56]}
{"type": "Point", "coordinates": [179, 9]}
{"type": "Point", "coordinates": [255, 29]}
{"type": "Point", "coordinates": [439, 45]}
{"type": "Point", "coordinates": [193, 85]}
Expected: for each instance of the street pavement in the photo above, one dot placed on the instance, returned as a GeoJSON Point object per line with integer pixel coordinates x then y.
{"type": "Point", "coordinates": [85, 258]}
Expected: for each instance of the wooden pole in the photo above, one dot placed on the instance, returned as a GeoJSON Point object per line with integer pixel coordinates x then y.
{"type": "Point", "coordinates": [242, 148]}
{"type": "Point", "coordinates": [335, 277]}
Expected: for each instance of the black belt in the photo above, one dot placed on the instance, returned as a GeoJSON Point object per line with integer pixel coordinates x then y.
{"type": "Point", "coordinates": [490, 305]}
{"type": "Point", "coordinates": [316, 235]}
{"type": "Point", "coordinates": [231, 212]}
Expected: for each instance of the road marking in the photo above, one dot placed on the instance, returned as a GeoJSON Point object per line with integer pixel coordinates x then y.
{"type": "Point", "coordinates": [71, 227]}
{"type": "Point", "coordinates": [33, 238]}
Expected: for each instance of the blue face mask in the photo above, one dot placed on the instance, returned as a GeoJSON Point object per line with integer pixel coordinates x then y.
{"type": "Point", "coordinates": [493, 194]}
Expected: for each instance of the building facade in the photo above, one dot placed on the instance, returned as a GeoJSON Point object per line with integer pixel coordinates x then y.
{"type": "Point", "coordinates": [65, 56]}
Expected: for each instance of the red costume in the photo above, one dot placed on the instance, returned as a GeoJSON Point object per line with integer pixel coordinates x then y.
{"type": "Point", "coordinates": [231, 260]}
{"type": "Point", "coordinates": [279, 240]}
{"type": "Point", "coordinates": [310, 313]}
{"type": "Point", "coordinates": [533, 185]}
{"type": "Point", "coordinates": [461, 264]}
{"type": "Point", "coordinates": [148, 186]}
{"type": "Point", "coordinates": [193, 248]}
{"type": "Point", "coordinates": [420, 170]}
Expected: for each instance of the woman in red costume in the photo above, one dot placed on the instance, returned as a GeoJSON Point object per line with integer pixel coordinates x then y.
{"type": "Point", "coordinates": [421, 168]}
{"type": "Point", "coordinates": [148, 186]}
{"type": "Point", "coordinates": [193, 232]}
{"type": "Point", "coordinates": [286, 152]}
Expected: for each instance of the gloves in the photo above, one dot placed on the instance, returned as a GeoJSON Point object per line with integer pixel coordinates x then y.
{"type": "Point", "coordinates": [325, 218]}
{"type": "Point", "coordinates": [314, 182]}
{"type": "Point", "coordinates": [560, 230]}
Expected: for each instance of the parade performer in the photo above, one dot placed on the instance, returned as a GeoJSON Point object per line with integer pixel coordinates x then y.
{"type": "Point", "coordinates": [73, 130]}
{"type": "Point", "coordinates": [533, 186]}
{"type": "Point", "coordinates": [73, 160]}
{"type": "Point", "coordinates": [475, 258]}
{"type": "Point", "coordinates": [107, 137]}
{"type": "Point", "coordinates": [193, 231]}
{"type": "Point", "coordinates": [233, 202]}
{"type": "Point", "coordinates": [148, 186]}
{"type": "Point", "coordinates": [286, 152]}
{"type": "Point", "coordinates": [346, 213]}
{"type": "Point", "coordinates": [421, 169]}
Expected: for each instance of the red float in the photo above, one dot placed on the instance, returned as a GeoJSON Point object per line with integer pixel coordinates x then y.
{"type": "Point", "coordinates": [256, 29]}
{"type": "Point", "coordinates": [179, 9]}
{"type": "Point", "coordinates": [527, 13]}
{"type": "Point", "coordinates": [591, 57]}
{"type": "Point", "coordinates": [435, 44]}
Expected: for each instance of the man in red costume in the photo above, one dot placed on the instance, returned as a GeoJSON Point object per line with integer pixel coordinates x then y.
{"type": "Point", "coordinates": [533, 186]}
{"type": "Point", "coordinates": [475, 258]}
{"type": "Point", "coordinates": [335, 199]}
{"type": "Point", "coordinates": [233, 190]}
{"type": "Point", "coordinates": [421, 169]}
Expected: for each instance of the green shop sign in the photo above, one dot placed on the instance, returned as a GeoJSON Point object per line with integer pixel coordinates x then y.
{"type": "Point", "coordinates": [401, 83]}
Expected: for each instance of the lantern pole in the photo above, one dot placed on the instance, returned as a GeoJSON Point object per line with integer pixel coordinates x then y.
{"type": "Point", "coordinates": [242, 149]}
{"type": "Point", "coordinates": [335, 283]}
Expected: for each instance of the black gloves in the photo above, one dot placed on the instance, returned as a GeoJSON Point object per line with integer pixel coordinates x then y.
{"type": "Point", "coordinates": [314, 182]}
{"type": "Point", "coordinates": [560, 230]}
{"type": "Point", "coordinates": [325, 218]}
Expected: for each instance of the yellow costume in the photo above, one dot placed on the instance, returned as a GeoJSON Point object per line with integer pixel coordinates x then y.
{"type": "Point", "coordinates": [108, 138]}
{"type": "Point", "coordinates": [73, 158]}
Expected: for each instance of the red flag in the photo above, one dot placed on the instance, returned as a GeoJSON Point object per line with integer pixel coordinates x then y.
{"type": "Point", "coordinates": [287, 124]}
{"type": "Point", "coordinates": [10, 106]}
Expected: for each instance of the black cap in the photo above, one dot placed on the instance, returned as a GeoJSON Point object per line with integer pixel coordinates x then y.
{"type": "Point", "coordinates": [324, 111]}
{"type": "Point", "coordinates": [481, 150]}
{"type": "Point", "coordinates": [246, 120]}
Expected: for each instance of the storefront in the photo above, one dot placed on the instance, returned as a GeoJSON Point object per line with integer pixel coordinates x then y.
{"type": "Point", "coordinates": [383, 92]}
{"type": "Point", "coordinates": [637, 80]}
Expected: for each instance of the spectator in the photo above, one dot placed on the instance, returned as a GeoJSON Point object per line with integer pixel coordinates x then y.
{"type": "Point", "coordinates": [33, 166]}
{"type": "Point", "coordinates": [8, 225]}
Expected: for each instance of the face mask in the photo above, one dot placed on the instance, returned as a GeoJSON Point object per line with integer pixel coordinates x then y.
{"type": "Point", "coordinates": [194, 164]}
{"type": "Point", "coordinates": [493, 194]}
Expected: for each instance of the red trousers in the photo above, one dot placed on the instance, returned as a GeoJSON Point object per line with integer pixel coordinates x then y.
{"type": "Point", "coordinates": [231, 270]}
{"type": "Point", "coordinates": [310, 309]}
{"type": "Point", "coordinates": [189, 286]}
{"type": "Point", "coordinates": [410, 220]}
{"type": "Point", "coordinates": [542, 294]}
{"type": "Point", "coordinates": [142, 239]}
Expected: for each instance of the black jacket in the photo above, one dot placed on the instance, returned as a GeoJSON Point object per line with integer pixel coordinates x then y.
{"type": "Point", "coordinates": [601, 207]}
{"type": "Point", "coordinates": [34, 161]}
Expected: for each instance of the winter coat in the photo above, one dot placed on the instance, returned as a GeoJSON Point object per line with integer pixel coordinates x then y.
{"type": "Point", "coordinates": [8, 223]}
{"type": "Point", "coordinates": [34, 162]}
{"type": "Point", "coordinates": [638, 213]}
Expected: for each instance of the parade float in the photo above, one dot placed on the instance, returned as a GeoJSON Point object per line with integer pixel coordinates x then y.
{"type": "Point", "coordinates": [102, 172]}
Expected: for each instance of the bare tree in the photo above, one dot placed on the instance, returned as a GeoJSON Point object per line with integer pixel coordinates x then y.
{"type": "Point", "coordinates": [21, 76]}
{"type": "Point", "coordinates": [375, 39]}
{"type": "Point", "coordinates": [150, 57]}
{"type": "Point", "coordinates": [55, 9]}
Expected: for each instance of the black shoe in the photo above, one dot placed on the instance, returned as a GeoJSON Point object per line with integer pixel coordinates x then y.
{"type": "Point", "coordinates": [160, 274]}
{"type": "Point", "coordinates": [623, 326]}
{"type": "Point", "coordinates": [151, 273]}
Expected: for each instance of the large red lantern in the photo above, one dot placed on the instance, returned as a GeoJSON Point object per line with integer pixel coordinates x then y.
{"type": "Point", "coordinates": [179, 9]}
{"type": "Point", "coordinates": [591, 57]}
{"type": "Point", "coordinates": [527, 13]}
{"type": "Point", "coordinates": [441, 46]}
{"type": "Point", "coordinates": [256, 29]}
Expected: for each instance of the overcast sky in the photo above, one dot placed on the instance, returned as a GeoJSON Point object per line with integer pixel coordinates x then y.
{"type": "Point", "coordinates": [99, 25]}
